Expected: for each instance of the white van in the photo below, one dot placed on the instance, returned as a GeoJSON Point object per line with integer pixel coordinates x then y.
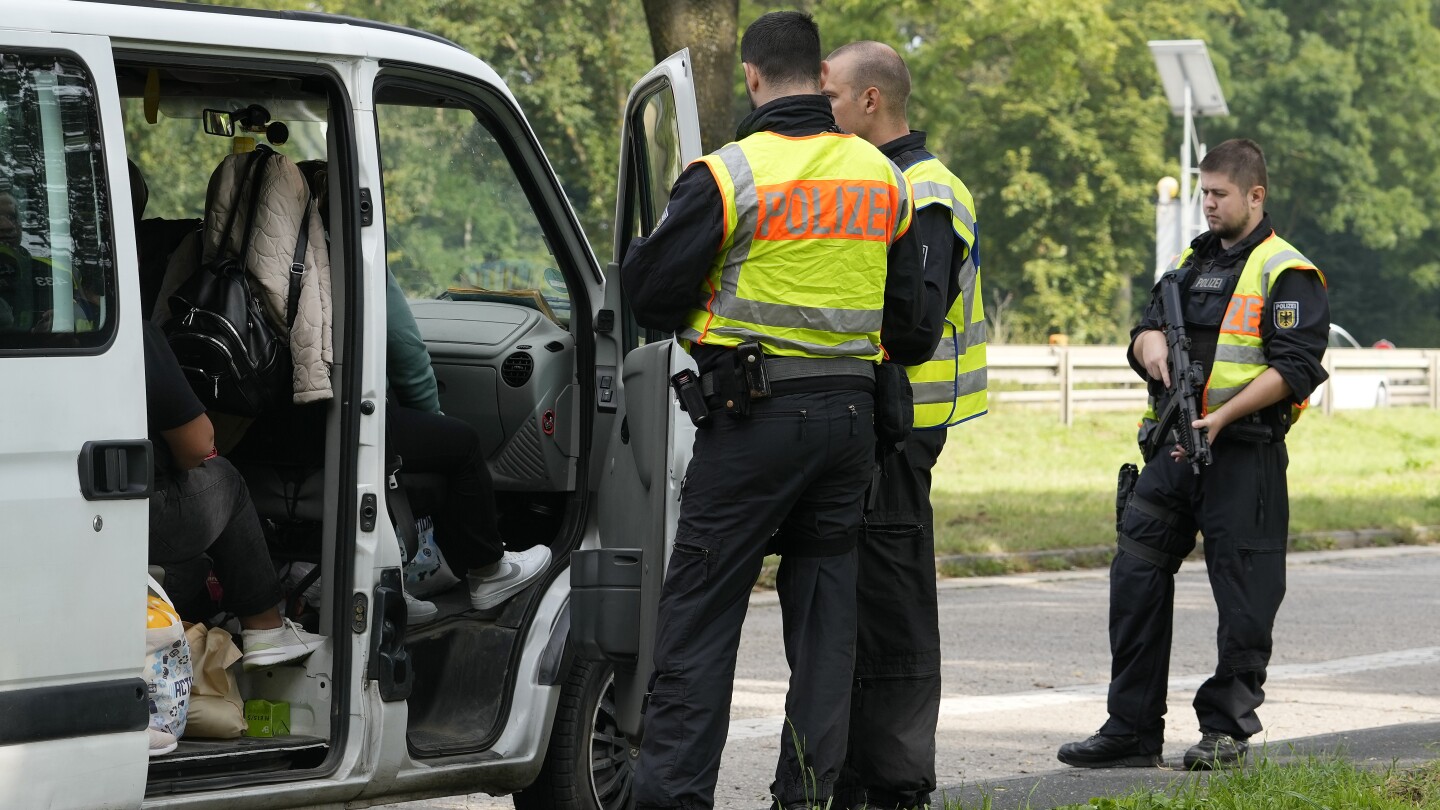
{"type": "Point", "coordinates": [530, 345]}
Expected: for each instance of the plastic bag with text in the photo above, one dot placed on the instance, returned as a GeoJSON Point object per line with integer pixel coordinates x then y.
{"type": "Point", "coordinates": [168, 671]}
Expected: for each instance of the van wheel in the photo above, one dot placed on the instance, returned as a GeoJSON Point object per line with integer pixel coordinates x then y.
{"type": "Point", "coordinates": [588, 765]}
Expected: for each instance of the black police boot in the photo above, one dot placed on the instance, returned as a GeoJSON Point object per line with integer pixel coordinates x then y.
{"type": "Point", "coordinates": [1109, 751]}
{"type": "Point", "coordinates": [1215, 750]}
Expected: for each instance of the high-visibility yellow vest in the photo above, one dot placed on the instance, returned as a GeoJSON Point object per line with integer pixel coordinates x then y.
{"type": "Point", "coordinates": [808, 225]}
{"type": "Point", "coordinates": [952, 386]}
{"type": "Point", "coordinates": [1239, 351]}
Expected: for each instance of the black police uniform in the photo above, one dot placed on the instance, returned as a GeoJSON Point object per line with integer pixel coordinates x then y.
{"type": "Point", "coordinates": [1239, 503]}
{"type": "Point", "coordinates": [895, 703]}
{"type": "Point", "coordinates": [799, 464]}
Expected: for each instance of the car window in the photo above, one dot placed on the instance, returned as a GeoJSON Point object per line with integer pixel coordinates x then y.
{"type": "Point", "coordinates": [57, 269]}
{"type": "Point", "coordinates": [661, 144]}
{"type": "Point", "coordinates": [177, 157]}
{"type": "Point", "coordinates": [655, 147]}
{"type": "Point", "coordinates": [458, 224]}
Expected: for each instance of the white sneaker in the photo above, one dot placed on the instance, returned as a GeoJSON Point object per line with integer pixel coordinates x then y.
{"type": "Point", "coordinates": [161, 742]}
{"type": "Point", "coordinates": [515, 571]}
{"type": "Point", "coordinates": [280, 645]}
{"type": "Point", "coordinates": [418, 611]}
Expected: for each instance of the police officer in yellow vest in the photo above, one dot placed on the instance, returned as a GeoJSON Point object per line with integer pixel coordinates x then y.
{"type": "Point", "coordinates": [24, 282]}
{"type": "Point", "coordinates": [896, 699]}
{"type": "Point", "coordinates": [790, 249]}
{"type": "Point", "coordinates": [1257, 313]}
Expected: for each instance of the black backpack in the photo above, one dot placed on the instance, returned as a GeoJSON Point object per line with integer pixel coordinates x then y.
{"type": "Point", "coordinates": [233, 356]}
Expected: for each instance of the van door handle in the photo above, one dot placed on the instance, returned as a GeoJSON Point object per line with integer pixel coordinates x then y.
{"type": "Point", "coordinates": [117, 470]}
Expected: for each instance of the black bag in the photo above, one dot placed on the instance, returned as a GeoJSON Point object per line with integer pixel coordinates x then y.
{"type": "Point", "coordinates": [233, 356]}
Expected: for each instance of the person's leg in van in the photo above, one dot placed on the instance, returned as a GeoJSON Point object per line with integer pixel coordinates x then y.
{"type": "Point", "coordinates": [466, 528]}
{"type": "Point", "coordinates": [207, 510]}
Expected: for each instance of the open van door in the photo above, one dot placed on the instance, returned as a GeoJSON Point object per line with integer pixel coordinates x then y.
{"type": "Point", "coordinates": [651, 438]}
{"type": "Point", "coordinates": [75, 466]}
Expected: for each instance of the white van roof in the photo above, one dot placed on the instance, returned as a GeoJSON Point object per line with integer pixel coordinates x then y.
{"type": "Point", "coordinates": [186, 28]}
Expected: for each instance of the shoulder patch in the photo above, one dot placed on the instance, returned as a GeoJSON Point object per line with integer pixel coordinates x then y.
{"type": "Point", "coordinates": [1287, 314]}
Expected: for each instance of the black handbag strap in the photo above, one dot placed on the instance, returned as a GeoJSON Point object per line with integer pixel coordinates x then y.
{"type": "Point", "coordinates": [255, 185]}
{"type": "Point", "coordinates": [250, 178]}
{"type": "Point", "coordinates": [297, 266]}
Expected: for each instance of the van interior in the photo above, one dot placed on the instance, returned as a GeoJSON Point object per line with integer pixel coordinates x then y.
{"type": "Point", "coordinates": [469, 240]}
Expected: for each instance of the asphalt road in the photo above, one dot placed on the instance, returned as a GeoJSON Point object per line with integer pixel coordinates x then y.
{"type": "Point", "coordinates": [1026, 663]}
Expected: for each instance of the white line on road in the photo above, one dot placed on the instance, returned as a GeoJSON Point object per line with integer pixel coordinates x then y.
{"type": "Point", "coordinates": [758, 727]}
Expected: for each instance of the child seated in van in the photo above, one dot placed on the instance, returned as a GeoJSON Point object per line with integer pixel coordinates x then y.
{"type": "Point", "coordinates": [200, 505]}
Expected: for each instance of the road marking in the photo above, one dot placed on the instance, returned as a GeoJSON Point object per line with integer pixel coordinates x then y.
{"type": "Point", "coordinates": [959, 706]}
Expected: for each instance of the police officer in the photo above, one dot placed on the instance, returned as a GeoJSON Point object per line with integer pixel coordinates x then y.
{"type": "Point", "coordinates": [789, 250]}
{"type": "Point", "coordinates": [1257, 314]}
{"type": "Point", "coordinates": [895, 703]}
{"type": "Point", "coordinates": [18, 298]}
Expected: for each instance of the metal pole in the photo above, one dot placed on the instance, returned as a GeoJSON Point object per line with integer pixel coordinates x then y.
{"type": "Point", "coordinates": [1067, 396]}
{"type": "Point", "coordinates": [1183, 235]}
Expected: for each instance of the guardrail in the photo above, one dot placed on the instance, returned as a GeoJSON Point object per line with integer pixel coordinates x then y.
{"type": "Point", "coordinates": [1070, 379]}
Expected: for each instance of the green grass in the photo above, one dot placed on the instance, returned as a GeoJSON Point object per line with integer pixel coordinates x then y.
{"type": "Point", "coordinates": [1307, 784]}
{"type": "Point", "coordinates": [1019, 481]}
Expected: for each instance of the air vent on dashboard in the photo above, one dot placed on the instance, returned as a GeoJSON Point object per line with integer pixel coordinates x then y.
{"type": "Point", "coordinates": [516, 369]}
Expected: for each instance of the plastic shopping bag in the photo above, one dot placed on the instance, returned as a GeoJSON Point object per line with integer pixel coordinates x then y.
{"type": "Point", "coordinates": [168, 671]}
{"type": "Point", "coordinates": [427, 573]}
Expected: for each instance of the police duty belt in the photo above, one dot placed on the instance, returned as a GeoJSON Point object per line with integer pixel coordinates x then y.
{"type": "Point", "coordinates": [781, 369]}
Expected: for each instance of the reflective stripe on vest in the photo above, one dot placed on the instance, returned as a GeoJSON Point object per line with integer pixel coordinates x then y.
{"type": "Point", "coordinates": [953, 385]}
{"type": "Point", "coordinates": [808, 227]}
{"type": "Point", "coordinates": [1239, 350]}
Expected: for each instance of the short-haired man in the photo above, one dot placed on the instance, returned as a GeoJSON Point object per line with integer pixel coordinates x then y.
{"type": "Point", "coordinates": [790, 249]}
{"type": "Point", "coordinates": [1258, 318]}
{"type": "Point", "coordinates": [896, 701]}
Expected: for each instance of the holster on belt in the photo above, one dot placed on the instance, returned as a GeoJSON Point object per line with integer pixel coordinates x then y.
{"type": "Point", "coordinates": [740, 377]}
{"type": "Point", "coordinates": [1125, 487]}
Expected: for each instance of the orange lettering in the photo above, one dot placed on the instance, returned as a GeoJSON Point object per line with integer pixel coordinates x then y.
{"type": "Point", "coordinates": [1242, 316]}
{"type": "Point", "coordinates": [1253, 305]}
{"type": "Point", "coordinates": [824, 209]}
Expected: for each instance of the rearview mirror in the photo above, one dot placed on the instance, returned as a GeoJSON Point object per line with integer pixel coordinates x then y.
{"type": "Point", "coordinates": [217, 122]}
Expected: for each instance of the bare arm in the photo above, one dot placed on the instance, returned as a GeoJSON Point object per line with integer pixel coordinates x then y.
{"type": "Point", "coordinates": [191, 443]}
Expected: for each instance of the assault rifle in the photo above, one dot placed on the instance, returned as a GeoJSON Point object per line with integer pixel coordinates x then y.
{"type": "Point", "coordinates": [1187, 381]}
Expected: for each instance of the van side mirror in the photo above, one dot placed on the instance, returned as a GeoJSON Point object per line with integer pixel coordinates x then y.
{"type": "Point", "coordinates": [218, 122]}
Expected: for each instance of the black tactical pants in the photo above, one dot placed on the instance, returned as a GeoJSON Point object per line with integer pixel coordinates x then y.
{"type": "Point", "coordinates": [895, 704]}
{"type": "Point", "coordinates": [1240, 504]}
{"type": "Point", "coordinates": [800, 464]}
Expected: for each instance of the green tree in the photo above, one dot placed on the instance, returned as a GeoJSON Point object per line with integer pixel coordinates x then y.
{"type": "Point", "coordinates": [1053, 116]}
{"type": "Point", "coordinates": [570, 63]}
{"type": "Point", "coordinates": [1342, 99]}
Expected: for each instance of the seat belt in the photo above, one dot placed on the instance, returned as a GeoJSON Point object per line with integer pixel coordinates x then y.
{"type": "Point", "coordinates": [399, 506]}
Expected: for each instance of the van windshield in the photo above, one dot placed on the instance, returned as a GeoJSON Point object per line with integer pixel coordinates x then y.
{"type": "Point", "coordinates": [458, 224]}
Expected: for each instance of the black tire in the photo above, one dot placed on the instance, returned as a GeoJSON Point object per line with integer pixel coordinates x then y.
{"type": "Point", "coordinates": [588, 765]}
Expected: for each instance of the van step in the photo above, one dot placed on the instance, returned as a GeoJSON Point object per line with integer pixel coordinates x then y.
{"type": "Point", "coordinates": [195, 757]}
